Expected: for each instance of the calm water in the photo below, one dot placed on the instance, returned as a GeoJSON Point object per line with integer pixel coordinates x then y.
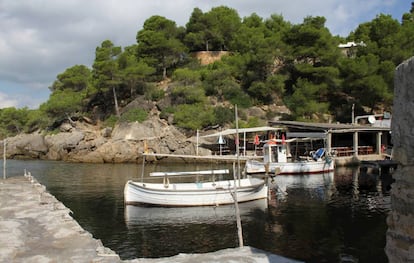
{"type": "Point", "coordinates": [315, 218]}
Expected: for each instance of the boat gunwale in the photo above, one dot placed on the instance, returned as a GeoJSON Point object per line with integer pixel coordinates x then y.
{"type": "Point", "coordinates": [190, 173]}
{"type": "Point", "coordinates": [259, 167]}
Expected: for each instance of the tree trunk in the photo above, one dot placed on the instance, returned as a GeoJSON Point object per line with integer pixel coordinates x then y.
{"type": "Point", "coordinates": [116, 103]}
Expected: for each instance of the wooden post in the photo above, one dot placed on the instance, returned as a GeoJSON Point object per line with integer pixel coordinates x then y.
{"type": "Point", "coordinates": [143, 168]}
{"type": "Point", "coordinates": [236, 203]}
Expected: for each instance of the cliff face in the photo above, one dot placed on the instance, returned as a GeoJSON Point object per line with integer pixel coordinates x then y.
{"type": "Point", "coordinates": [81, 142]}
{"type": "Point", "coordinates": [400, 234]}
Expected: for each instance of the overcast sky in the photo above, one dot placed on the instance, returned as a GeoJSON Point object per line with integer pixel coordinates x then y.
{"type": "Point", "coordinates": [41, 38]}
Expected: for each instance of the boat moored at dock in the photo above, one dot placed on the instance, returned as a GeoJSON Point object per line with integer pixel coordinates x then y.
{"type": "Point", "coordinates": [211, 193]}
{"type": "Point", "coordinates": [278, 160]}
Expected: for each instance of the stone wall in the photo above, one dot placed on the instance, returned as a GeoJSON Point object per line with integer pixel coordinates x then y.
{"type": "Point", "coordinates": [400, 234]}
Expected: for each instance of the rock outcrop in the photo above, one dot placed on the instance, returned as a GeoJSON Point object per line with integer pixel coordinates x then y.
{"type": "Point", "coordinates": [400, 234]}
{"type": "Point", "coordinates": [27, 146]}
{"type": "Point", "coordinates": [82, 142]}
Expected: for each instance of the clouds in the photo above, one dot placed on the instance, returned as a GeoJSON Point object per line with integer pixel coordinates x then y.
{"type": "Point", "coordinates": [5, 101]}
{"type": "Point", "coordinates": [41, 38]}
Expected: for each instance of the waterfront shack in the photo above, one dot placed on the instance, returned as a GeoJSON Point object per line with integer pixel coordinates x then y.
{"type": "Point", "coordinates": [350, 143]}
{"type": "Point", "coordinates": [249, 140]}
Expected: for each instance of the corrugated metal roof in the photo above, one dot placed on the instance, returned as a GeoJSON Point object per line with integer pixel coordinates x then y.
{"type": "Point", "coordinates": [331, 127]}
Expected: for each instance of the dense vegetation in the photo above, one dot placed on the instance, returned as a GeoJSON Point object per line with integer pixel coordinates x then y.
{"type": "Point", "coordinates": [270, 61]}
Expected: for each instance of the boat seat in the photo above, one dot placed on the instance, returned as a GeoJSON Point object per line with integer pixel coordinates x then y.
{"type": "Point", "coordinates": [318, 154]}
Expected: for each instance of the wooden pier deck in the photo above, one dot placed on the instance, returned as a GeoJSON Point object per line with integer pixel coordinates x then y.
{"type": "Point", "coordinates": [383, 166]}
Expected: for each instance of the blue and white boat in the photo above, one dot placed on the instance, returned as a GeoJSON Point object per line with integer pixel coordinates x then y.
{"type": "Point", "coordinates": [278, 160]}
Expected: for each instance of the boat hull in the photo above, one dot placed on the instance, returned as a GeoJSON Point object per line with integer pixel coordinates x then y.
{"type": "Point", "coordinates": [194, 194]}
{"type": "Point", "coordinates": [300, 167]}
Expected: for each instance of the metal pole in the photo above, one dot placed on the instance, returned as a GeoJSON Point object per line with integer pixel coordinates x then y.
{"type": "Point", "coordinates": [356, 143]}
{"type": "Point", "coordinates": [238, 142]}
{"type": "Point", "coordinates": [353, 114]}
{"type": "Point", "coordinates": [197, 142]}
{"type": "Point", "coordinates": [4, 158]}
{"type": "Point", "coordinates": [244, 143]}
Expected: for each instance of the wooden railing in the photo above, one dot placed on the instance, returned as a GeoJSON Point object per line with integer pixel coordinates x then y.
{"type": "Point", "coordinates": [349, 151]}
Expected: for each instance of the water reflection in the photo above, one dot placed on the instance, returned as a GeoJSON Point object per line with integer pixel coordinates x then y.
{"type": "Point", "coordinates": [225, 214]}
{"type": "Point", "coordinates": [320, 186]}
{"type": "Point", "coordinates": [160, 231]}
{"type": "Point", "coordinates": [314, 218]}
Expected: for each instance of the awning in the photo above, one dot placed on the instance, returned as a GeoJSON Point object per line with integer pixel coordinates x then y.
{"type": "Point", "coordinates": [242, 130]}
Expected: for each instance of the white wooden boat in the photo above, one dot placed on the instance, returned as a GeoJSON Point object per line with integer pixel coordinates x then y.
{"type": "Point", "coordinates": [276, 160]}
{"type": "Point", "coordinates": [194, 194]}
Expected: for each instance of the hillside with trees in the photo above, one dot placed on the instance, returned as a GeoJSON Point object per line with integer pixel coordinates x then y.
{"type": "Point", "coordinates": [268, 61]}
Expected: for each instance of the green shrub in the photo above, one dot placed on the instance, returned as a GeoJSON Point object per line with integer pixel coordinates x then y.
{"type": "Point", "coordinates": [238, 97]}
{"type": "Point", "coordinates": [186, 76]}
{"type": "Point", "coordinates": [110, 121]}
{"type": "Point", "coordinates": [223, 115]}
{"type": "Point", "coordinates": [155, 94]}
{"type": "Point", "coordinates": [187, 95]}
{"type": "Point", "coordinates": [194, 116]}
{"type": "Point", "coordinates": [133, 115]}
{"type": "Point", "coordinates": [166, 112]}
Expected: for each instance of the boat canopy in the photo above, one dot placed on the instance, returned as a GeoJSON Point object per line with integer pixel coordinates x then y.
{"type": "Point", "coordinates": [282, 141]}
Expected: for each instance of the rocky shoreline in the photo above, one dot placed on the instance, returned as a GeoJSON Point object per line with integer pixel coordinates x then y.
{"type": "Point", "coordinates": [81, 141]}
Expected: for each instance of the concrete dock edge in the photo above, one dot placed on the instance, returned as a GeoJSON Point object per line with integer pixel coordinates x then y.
{"type": "Point", "coordinates": [36, 227]}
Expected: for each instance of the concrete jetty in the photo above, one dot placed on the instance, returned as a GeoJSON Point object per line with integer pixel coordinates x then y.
{"type": "Point", "coordinates": [36, 227]}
